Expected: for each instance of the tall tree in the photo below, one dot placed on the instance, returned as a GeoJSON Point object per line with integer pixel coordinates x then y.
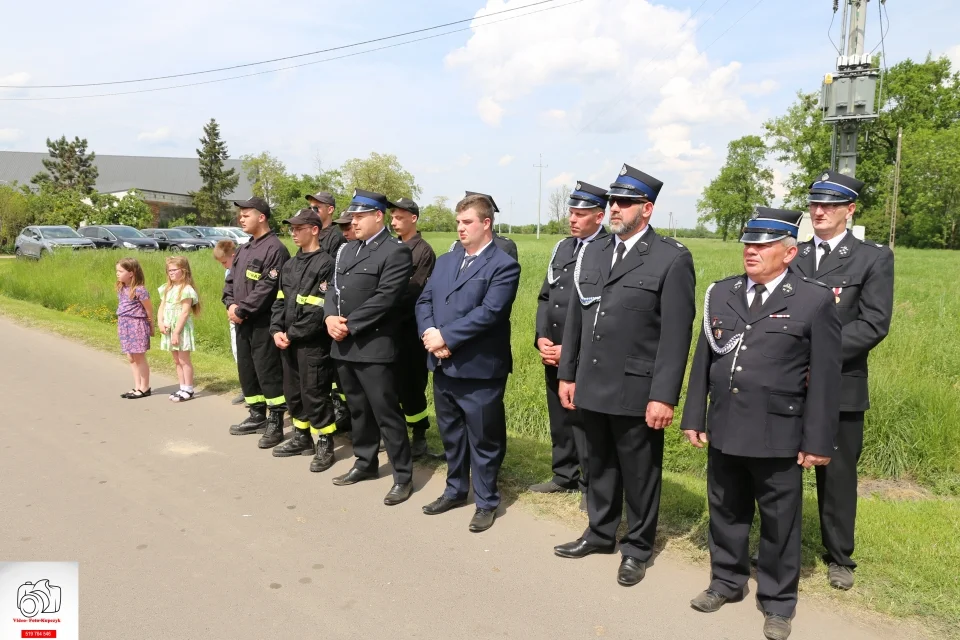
{"type": "Point", "coordinates": [437, 216]}
{"type": "Point", "coordinates": [69, 166]}
{"type": "Point", "coordinates": [743, 184]}
{"type": "Point", "coordinates": [264, 172]}
{"type": "Point", "coordinates": [382, 173]}
{"type": "Point", "coordinates": [218, 183]}
{"type": "Point", "coordinates": [930, 191]}
{"type": "Point", "coordinates": [557, 205]}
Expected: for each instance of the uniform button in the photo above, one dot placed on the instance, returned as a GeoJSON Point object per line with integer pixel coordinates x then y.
{"type": "Point", "coordinates": [594, 361]}
{"type": "Point", "coordinates": [791, 407]}
{"type": "Point", "coordinates": [784, 327]}
{"type": "Point", "coordinates": [561, 287]}
{"type": "Point", "coordinates": [735, 390]}
{"type": "Point", "coordinates": [641, 282]}
{"type": "Point", "coordinates": [598, 338]}
{"type": "Point", "coordinates": [554, 324]}
{"type": "Point", "coordinates": [744, 347]}
{"type": "Point", "coordinates": [556, 306]}
{"type": "Point", "coordinates": [564, 270]}
{"type": "Point", "coordinates": [749, 326]}
{"type": "Point", "coordinates": [739, 368]}
{"type": "Point", "coordinates": [603, 313]}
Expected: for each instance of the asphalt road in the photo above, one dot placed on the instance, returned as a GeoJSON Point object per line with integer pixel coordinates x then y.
{"type": "Point", "coordinates": [183, 531]}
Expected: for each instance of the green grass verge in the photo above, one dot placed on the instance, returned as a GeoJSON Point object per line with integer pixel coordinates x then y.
{"type": "Point", "coordinates": [909, 550]}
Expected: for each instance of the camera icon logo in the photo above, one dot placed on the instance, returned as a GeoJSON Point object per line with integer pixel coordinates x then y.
{"type": "Point", "coordinates": [39, 597]}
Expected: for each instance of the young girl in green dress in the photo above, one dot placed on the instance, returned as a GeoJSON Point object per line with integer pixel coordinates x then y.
{"type": "Point", "coordinates": [178, 304]}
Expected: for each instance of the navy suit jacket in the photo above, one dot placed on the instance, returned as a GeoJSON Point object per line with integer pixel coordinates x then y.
{"type": "Point", "coordinates": [472, 312]}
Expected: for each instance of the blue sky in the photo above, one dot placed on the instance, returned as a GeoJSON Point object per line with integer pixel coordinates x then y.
{"type": "Point", "coordinates": [590, 84]}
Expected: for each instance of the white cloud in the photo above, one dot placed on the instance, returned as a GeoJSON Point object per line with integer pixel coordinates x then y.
{"type": "Point", "coordinates": [954, 54]}
{"type": "Point", "coordinates": [10, 135]}
{"type": "Point", "coordinates": [561, 179]}
{"type": "Point", "coordinates": [15, 79]}
{"type": "Point", "coordinates": [464, 160]}
{"type": "Point", "coordinates": [505, 160]}
{"type": "Point", "coordinates": [763, 88]}
{"type": "Point", "coordinates": [490, 111]}
{"type": "Point", "coordinates": [160, 135]}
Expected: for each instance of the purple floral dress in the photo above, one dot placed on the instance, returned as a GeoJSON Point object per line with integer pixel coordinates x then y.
{"type": "Point", "coordinates": [133, 324]}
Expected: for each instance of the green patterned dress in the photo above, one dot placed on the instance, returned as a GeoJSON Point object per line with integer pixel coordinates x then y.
{"type": "Point", "coordinates": [171, 312]}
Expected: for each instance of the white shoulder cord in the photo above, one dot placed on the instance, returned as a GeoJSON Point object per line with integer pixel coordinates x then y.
{"type": "Point", "coordinates": [733, 343]}
{"type": "Point", "coordinates": [336, 265]}
{"type": "Point", "coordinates": [550, 277]}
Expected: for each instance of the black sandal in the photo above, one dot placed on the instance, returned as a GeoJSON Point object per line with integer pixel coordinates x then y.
{"type": "Point", "coordinates": [128, 394]}
{"type": "Point", "coordinates": [181, 396]}
{"type": "Point", "coordinates": [136, 395]}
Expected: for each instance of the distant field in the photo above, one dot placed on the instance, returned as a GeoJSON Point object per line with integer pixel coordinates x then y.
{"type": "Point", "coordinates": [913, 429]}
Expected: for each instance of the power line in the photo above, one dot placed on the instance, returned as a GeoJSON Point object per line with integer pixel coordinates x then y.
{"type": "Point", "coordinates": [261, 62]}
{"type": "Point", "coordinates": [295, 66]}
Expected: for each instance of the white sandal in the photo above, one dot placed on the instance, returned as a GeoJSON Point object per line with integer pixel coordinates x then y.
{"type": "Point", "coordinates": [181, 396]}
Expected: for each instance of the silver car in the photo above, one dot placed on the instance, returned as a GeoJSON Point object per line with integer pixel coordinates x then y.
{"type": "Point", "coordinates": [39, 241]}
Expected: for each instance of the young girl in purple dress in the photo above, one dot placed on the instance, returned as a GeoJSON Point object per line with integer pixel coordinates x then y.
{"type": "Point", "coordinates": [134, 324]}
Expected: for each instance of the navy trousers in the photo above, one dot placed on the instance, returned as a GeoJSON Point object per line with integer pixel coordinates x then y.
{"type": "Point", "coordinates": [473, 427]}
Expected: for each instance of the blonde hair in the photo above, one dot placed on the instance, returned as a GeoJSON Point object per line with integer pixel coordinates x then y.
{"type": "Point", "coordinates": [131, 265]}
{"type": "Point", "coordinates": [224, 249]}
{"type": "Point", "coordinates": [184, 265]}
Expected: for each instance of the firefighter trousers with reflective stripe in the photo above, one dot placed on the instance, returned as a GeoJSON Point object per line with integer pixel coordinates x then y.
{"type": "Point", "coordinates": [259, 368]}
{"type": "Point", "coordinates": [307, 375]}
{"type": "Point", "coordinates": [411, 373]}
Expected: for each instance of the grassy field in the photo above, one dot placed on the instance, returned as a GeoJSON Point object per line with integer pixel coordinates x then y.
{"type": "Point", "coordinates": [909, 531]}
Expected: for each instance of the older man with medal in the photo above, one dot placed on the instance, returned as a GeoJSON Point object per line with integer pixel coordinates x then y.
{"type": "Point", "coordinates": [763, 397]}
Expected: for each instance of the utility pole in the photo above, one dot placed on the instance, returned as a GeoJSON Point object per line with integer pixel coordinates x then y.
{"type": "Point", "coordinates": [848, 95]}
{"type": "Point", "coordinates": [896, 191]}
{"type": "Point", "coordinates": [541, 167]}
{"type": "Point", "coordinates": [510, 224]}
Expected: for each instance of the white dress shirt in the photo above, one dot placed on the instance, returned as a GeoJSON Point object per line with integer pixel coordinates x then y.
{"type": "Point", "coordinates": [474, 256]}
{"type": "Point", "coordinates": [630, 242]}
{"type": "Point", "coordinates": [832, 242]}
{"type": "Point", "coordinates": [370, 239]}
{"type": "Point", "coordinates": [770, 287]}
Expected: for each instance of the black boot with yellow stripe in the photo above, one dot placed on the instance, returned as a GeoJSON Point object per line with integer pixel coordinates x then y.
{"type": "Point", "coordinates": [301, 444]}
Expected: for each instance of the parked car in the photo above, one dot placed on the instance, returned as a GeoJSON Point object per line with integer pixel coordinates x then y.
{"type": "Point", "coordinates": [239, 235]}
{"type": "Point", "coordinates": [34, 242]}
{"type": "Point", "coordinates": [118, 236]}
{"type": "Point", "coordinates": [177, 240]}
{"type": "Point", "coordinates": [209, 233]}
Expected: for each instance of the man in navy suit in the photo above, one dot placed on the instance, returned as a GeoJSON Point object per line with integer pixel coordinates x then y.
{"type": "Point", "coordinates": [463, 316]}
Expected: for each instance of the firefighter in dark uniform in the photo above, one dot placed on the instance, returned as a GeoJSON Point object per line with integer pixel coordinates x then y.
{"type": "Point", "coordinates": [370, 277]}
{"type": "Point", "coordinates": [331, 237]}
{"type": "Point", "coordinates": [298, 331]}
{"type": "Point", "coordinates": [248, 293]}
{"type": "Point", "coordinates": [412, 361]}
{"type": "Point", "coordinates": [505, 244]}
{"type": "Point", "coordinates": [768, 361]}
{"type": "Point", "coordinates": [860, 273]}
{"type": "Point", "coordinates": [587, 206]}
{"type": "Point", "coordinates": [625, 347]}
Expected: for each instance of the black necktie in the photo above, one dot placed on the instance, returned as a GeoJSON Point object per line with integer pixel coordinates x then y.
{"type": "Point", "coordinates": [576, 249]}
{"type": "Point", "coordinates": [758, 290]}
{"type": "Point", "coordinates": [826, 251]}
{"type": "Point", "coordinates": [467, 261]}
{"type": "Point", "coordinates": [621, 249]}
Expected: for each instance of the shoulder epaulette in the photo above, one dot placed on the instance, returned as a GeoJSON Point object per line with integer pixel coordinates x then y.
{"type": "Point", "coordinates": [733, 277]}
{"type": "Point", "coordinates": [672, 242]}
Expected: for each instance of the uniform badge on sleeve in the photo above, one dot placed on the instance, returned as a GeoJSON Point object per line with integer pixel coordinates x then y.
{"type": "Point", "coordinates": [323, 286]}
{"type": "Point", "coordinates": [273, 274]}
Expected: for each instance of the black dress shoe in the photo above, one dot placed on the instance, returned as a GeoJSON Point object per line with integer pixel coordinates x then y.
{"type": "Point", "coordinates": [549, 487]}
{"type": "Point", "coordinates": [580, 548]}
{"type": "Point", "coordinates": [482, 520]}
{"type": "Point", "coordinates": [354, 476]}
{"type": "Point", "coordinates": [442, 505]}
{"type": "Point", "coordinates": [710, 601]}
{"type": "Point", "coordinates": [631, 571]}
{"type": "Point", "coordinates": [398, 493]}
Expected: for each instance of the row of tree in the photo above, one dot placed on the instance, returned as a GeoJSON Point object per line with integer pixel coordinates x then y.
{"type": "Point", "coordinates": [921, 98]}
